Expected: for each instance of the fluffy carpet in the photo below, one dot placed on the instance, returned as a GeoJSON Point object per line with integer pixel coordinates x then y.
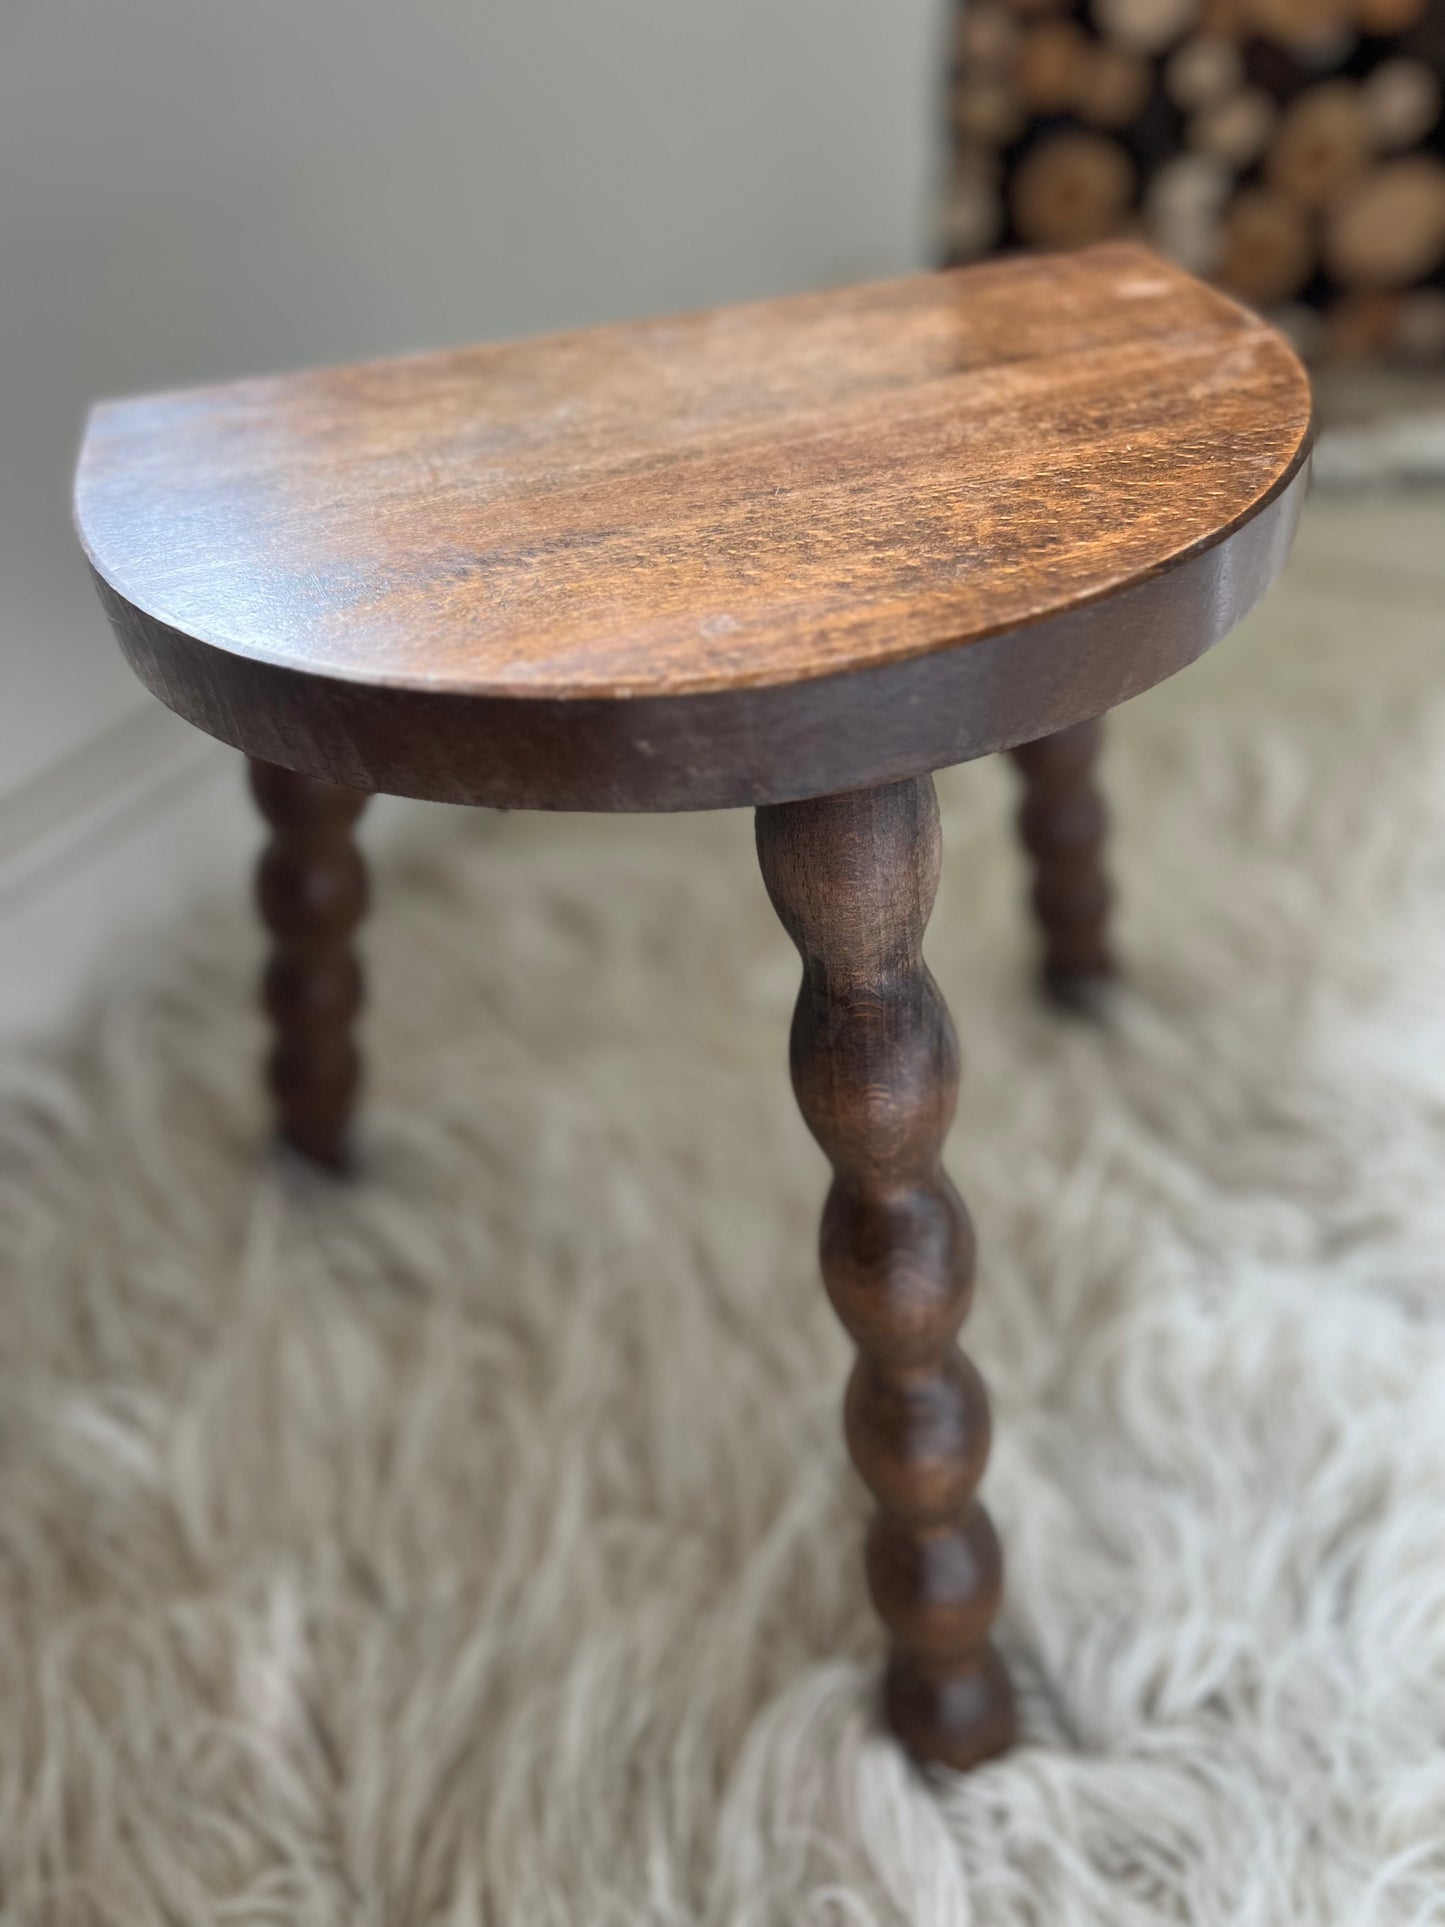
{"type": "Point", "coordinates": [476, 1543]}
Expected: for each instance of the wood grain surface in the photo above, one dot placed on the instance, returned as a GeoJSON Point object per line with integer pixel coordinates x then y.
{"type": "Point", "coordinates": [420, 575]}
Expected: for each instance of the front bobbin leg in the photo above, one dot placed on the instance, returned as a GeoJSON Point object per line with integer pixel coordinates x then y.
{"type": "Point", "coordinates": [311, 888]}
{"type": "Point", "coordinates": [875, 1069]}
{"type": "Point", "coordinates": [1063, 824]}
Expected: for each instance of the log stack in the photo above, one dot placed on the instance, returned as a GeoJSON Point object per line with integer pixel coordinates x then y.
{"type": "Point", "coordinates": [1291, 150]}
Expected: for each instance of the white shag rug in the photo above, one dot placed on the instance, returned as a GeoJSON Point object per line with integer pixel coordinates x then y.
{"type": "Point", "coordinates": [476, 1544]}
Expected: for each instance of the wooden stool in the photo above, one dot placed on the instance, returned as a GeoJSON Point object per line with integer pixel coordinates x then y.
{"type": "Point", "coordinates": [797, 556]}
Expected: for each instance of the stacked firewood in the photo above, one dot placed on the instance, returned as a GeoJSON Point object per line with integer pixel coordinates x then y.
{"type": "Point", "coordinates": [1291, 150]}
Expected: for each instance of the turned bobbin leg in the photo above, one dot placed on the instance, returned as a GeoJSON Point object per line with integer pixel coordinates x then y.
{"type": "Point", "coordinates": [311, 888]}
{"type": "Point", "coordinates": [1063, 822]}
{"type": "Point", "coordinates": [875, 1069]}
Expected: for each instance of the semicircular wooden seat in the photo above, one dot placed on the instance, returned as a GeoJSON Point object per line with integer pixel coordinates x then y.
{"type": "Point", "coordinates": [732, 558]}
{"type": "Point", "coordinates": [796, 555]}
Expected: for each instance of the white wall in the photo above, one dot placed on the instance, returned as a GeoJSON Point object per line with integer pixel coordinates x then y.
{"type": "Point", "coordinates": [192, 189]}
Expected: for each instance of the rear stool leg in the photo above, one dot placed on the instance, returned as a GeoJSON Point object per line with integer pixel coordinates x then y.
{"type": "Point", "coordinates": [1063, 823]}
{"type": "Point", "coordinates": [311, 887]}
{"type": "Point", "coordinates": [875, 1069]}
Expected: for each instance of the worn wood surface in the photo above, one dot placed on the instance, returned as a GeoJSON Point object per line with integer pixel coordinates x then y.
{"type": "Point", "coordinates": [1062, 824]}
{"type": "Point", "coordinates": [311, 889]}
{"type": "Point", "coordinates": [733, 557]}
{"type": "Point", "coordinates": [875, 1068]}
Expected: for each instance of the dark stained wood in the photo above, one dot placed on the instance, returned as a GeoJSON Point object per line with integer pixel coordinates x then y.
{"type": "Point", "coordinates": [799, 555]}
{"type": "Point", "coordinates": [311, 888]}
{"type": "Point", "coordinates": [739, 557]}
{"type": "Point", "coordinates": [875, 1068]}
{"type": "Point", "coordinates": [1063, 822]}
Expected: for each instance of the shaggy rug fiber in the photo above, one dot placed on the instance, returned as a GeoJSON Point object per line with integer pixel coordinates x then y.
{"type": "Point", "coordinates": [475, 1543]}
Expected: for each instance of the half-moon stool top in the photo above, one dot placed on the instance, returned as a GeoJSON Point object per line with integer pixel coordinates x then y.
{"type": "Point", "coordinates": [773, 551]}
